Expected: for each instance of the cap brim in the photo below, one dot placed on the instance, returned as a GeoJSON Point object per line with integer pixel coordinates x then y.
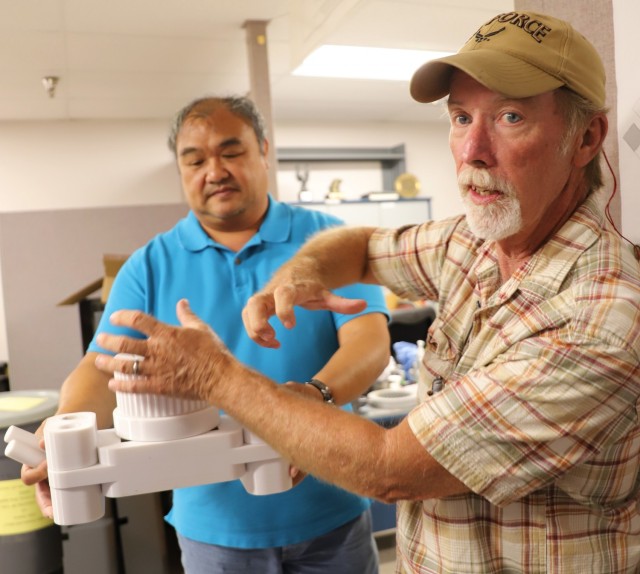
{"type": "Point", "coordinates": [498, 71]}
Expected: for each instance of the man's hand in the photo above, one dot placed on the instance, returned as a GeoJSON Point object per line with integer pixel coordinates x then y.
{"type": "Point", "coordinates": [280, 297]}
{"type": "Point", "coordinates": [178, 361]}
{"type": "Point", "coordinates": [332, 258]}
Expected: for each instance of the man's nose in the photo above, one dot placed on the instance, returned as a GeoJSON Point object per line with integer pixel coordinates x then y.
{"type": "Point", "coordinates": [216, 171]}
{"type": "Point", "coordinates": [478, 145]}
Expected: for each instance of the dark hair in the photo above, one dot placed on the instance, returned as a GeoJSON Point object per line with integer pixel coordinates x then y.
{"type": "Point", "coordinates": [577, 112]}
{"type": "Point", "coordinates": [201, 108]}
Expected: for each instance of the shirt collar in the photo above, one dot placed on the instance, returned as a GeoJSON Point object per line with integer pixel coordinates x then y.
{"type": "Point", "coordinates": [544, 273]}
{"type": "Point", "coordinates": [276, 228]}
{"type": "Point", "coordinates": [553, 262]}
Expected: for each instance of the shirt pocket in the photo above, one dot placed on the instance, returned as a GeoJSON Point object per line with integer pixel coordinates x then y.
{"type": "Point", "coordinates": [438, 362]}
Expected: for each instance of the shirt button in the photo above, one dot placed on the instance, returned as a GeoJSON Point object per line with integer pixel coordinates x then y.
{"type": "Point", "coordinates": [238, 261]}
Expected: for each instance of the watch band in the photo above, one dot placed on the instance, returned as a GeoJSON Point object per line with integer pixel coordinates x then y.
{"type": "Point", "coordinates": [325, 391]}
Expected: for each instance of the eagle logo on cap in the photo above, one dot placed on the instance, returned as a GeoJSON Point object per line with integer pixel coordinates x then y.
{"type": "Point", "coordinates": [485, 37]}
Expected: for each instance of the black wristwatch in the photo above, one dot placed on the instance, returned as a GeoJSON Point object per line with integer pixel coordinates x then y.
{"type": "Point", "coordinates": [325, 391]}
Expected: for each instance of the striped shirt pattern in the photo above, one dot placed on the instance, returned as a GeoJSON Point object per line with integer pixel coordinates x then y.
{"type": "Point", "coordinates": [538, 415]}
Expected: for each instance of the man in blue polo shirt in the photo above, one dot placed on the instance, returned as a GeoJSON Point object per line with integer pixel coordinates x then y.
{"type": "Point", "coordinates": [226, 249]}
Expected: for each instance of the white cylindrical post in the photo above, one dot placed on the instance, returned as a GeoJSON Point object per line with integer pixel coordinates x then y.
{"type": "Point", "coordinates": [23, 446]}
{"type": "Point", "coordinates": [265, 477]}
{"type": "Point", "coordinates": [71, 442]}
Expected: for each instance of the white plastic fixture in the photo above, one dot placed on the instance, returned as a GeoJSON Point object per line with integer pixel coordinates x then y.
{"type": "Point", "coordinates": [170, 443]}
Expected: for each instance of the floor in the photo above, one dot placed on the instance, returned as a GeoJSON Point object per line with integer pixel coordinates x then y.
{"type": "Point", "coordinates": [387, 553]}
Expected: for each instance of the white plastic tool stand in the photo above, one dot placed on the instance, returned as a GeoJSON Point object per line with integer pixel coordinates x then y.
{"type": "Point", "coordinates": [169, 443]}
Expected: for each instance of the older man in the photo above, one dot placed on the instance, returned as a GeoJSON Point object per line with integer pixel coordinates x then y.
{"type": "Point", "coordinates": [523, 454]}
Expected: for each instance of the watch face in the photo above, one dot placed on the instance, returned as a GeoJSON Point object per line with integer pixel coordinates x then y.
{"type": "Point", "coordinates": [407, 185]}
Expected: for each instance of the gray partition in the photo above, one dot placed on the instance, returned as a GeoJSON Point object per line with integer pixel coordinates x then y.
{"type": "Point", "coordinates": [47, 255]}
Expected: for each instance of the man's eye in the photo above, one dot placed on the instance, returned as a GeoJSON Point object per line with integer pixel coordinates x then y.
{"type": "Point", "coordinates": [512, 117]}
{"type": "Point", "coordinates": [231, 155]}
{"type": "Point", "coordinates": [196, 162]}
{"type": "Point", "coordinates": [460, 119]}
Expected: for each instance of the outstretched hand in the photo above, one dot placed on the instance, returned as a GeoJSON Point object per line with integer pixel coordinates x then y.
{"type": "Point", "coordinates": [280, 300]}
{"type": "Point", "coordinates": [178, 361]}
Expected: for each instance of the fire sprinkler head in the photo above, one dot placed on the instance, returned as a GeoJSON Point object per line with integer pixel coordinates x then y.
{"type": "Point", "coordinates": [50, 83]}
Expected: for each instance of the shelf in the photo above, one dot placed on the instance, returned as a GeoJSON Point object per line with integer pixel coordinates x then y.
{"type": "Point", "coordinates": [360, 212]}
{"type": "Point", "coordinates": [310, 154]}
{"type": "Point", "coordinates": [392, 159]}
{"type": "Point", "coordinates": [362, 201]}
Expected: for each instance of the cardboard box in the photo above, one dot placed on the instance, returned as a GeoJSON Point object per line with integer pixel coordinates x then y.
{"type": "Point", "coordinates": [91, 308]}
{"type": "Point", "coordinates": [112, 264]}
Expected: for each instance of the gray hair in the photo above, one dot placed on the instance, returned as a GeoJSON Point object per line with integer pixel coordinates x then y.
{"type": "Point", "coordinates": [201, 108]}
{"type": "Point", "coordinates": [577, 112]}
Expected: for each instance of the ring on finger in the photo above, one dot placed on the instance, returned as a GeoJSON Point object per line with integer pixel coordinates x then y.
{"type": "Point", "coordinates": [136, 368]}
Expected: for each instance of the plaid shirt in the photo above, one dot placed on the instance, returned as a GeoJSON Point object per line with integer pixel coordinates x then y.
{"type": "Point", "coordinates": [538, 414]}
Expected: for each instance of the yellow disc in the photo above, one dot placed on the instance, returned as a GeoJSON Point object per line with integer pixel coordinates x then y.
{"type": "Point", "coordinates": [407, 185]}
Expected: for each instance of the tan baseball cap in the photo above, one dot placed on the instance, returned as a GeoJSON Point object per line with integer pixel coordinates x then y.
{"type": "Point", "coordinates": [519, 54]}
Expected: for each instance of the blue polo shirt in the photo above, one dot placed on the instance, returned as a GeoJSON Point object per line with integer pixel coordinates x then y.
{"type": "Point", "coordinates": [185, 262]}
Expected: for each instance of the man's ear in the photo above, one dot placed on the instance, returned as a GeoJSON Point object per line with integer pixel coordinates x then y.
{"type": "Point", "coordinates": [265, 152]}
{"type": "Point", "coordinates": [592, 140]}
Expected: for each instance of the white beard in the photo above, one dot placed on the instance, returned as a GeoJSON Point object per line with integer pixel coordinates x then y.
{"type": "Point", "coordinates": [498, 219]}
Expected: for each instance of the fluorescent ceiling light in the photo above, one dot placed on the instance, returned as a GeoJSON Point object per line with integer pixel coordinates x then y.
{"type": "Point", "coordinates": [331, 61]}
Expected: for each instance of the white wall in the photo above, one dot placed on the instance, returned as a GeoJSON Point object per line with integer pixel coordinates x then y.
{"type": "Point", "coordinates": [625, 17]}
{"type": "Point", "coordinates": [80, 164]}
{"type": "Point", "coordinates": [71, 164]}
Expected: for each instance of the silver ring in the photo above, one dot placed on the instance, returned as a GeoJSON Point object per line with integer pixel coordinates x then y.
{"type": "Point", "coordinates": [136, 368]}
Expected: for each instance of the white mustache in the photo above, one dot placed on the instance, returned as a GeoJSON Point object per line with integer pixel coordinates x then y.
{"type": "Point", "coordinates": [482, 179]}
